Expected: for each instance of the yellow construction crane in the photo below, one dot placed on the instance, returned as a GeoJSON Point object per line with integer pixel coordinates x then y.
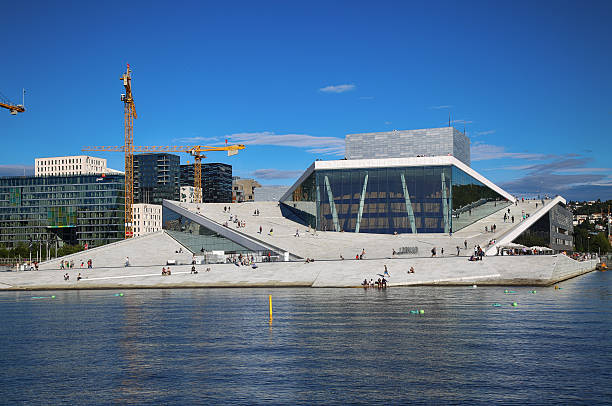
{"type": "Point", "coordinates": [195, 150]}
{"type": "Point", "coordinates": [129, 115]}
{"type": "Point", "coordinates": [14, 108]}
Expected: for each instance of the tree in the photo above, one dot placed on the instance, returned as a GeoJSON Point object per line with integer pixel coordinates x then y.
{"type": "Point", "coordinates": [600, 243]}
{"type": "Point", "coordinates": [69, 249]}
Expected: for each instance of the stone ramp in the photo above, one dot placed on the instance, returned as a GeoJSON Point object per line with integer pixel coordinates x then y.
{"type": "Point", "coordinates": [531, 270]}
{"type": "Point", "coordinates": [330, 245]}
{"type": "Point", "coordinates": [151, 249]}
{"type": "Point", "coordinates": [511, 234]}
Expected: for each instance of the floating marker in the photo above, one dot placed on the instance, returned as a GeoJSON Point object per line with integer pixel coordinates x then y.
{"type": "Point", "coordinates": [534, 291]}
{"type": "Point", "coordinates": [474, 286]}
{"type": "Point", "coordinates": [421, 311]}
{"type": "Point", "coordinates": [506, 291]}
{"type": "Point", "coordinates": [413, 311]}
{"type": "Point", "coordinates": [514, 304]}
{"type": "Point", "coordinates": [496, 305]}
{"type": "Point", "coordinates": [118, 294]}
{"type": "Point", "coordinates": [43, 297]}
{"type": "Point", "coordinates": [509, 291]}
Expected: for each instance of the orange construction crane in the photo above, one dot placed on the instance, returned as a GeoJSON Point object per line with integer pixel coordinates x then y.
{"type": "Point", "coordinates": [129, 115]}
{"type": "Point", "coordinates": [194, 150]}
{"type": "Point", "coordinates": [14, 108]}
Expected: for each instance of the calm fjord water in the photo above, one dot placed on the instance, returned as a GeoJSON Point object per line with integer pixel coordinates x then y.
{"type": "Point", "coordinates": [324, 346]}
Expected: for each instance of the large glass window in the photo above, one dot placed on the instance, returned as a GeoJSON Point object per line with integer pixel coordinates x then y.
{"type": "Point", "coordinates": [472, 200]}
{"type": "Point", "coordinates": [425, 199]}
{"type": "Point", "coordinates": [196, 237]}
{"type": "Point", "coordinates": [385, 200]}
{"type": "Point", "coordinates": [303, 201]}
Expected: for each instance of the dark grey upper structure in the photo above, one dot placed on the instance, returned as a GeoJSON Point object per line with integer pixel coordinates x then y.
{"type": "Point", "coordinates": [216, 181]}
{"type": "Point", "coordinates": [409, 144]}
{"type": "Point", "coordinates": [554, 230]}
{"type": "Point", "coordinates": [156, 177]}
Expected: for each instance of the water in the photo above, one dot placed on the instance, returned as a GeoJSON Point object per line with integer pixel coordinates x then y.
{"type": "Point", "coordinates": [324, 346]}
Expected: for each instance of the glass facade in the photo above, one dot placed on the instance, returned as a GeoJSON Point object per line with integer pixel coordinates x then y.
{"type": "Point", "coordinates": [156, 177]}
{"type": "Point", "coordinates": [416, 199]}
{"type": "Point", "coordinates": [74, 209]}
{"type": "Point", "coordinates": [216, 181]}
{"type": "Point", "coordinates": [196, 237]}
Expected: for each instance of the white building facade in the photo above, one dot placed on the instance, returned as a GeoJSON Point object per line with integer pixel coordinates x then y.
{"type": "Point", "coordinates": [69, 165]}
{"type": "Point", "coordinates": [147, 218]}
{"type": "Point", "coordinates": [187, 194]}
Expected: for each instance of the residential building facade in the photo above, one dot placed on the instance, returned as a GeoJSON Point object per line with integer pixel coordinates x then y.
{"type": "Point", "coordinates": [156, 177]}
{"type": "Point", "coordinates": [216, 181]}
{"type": "Point", "coordinates": [243, 190]}
{"type": "Point", "coordinates": [147, 218]}
{"type": "Point", "coordinates": [69, 165]}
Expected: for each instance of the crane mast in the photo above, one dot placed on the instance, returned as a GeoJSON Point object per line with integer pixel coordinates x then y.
{"type": "Point", "coordinates": [129, 116]}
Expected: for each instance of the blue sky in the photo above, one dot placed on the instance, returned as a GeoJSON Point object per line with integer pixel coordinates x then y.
{"type": "Point", "coordinates": [529, 80]}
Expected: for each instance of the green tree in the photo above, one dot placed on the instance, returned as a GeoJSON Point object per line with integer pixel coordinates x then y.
{"type": "Point", "coordinates": [600, 243]}
{"type": "Point", "coordinates": [69, 249]}
{"type": "Point", "coordinates": [21, 250]}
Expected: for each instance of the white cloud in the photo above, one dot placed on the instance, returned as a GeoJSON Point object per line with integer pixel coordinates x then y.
{"type": "Point", "coordinates": [366, 98]}
{"type": "Point", "coordinates": [483, 152]}
{"type": "Point", "coordinates": [461, 122]}
{"type": "Point", "coordinates": [488, 132]}
{"type": "Point", "coordinates": [199, 140]}
{"type": "Point", "coordinates": [312, 144]}
{"type": "Point", "coordinates": [337, 88]}
{"type": "Point", "coordinates": [16, 170]}
{"type": "Point", "coordinates": [441, 107]}
{"type": "Point", "coordinates": [275, 174]}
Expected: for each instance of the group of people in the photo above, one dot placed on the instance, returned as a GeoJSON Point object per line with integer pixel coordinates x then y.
{"type": "Point", "coordinates": [478, 254]}
{"type": "Point", "coordinates": [166, 271]}
{"type": "Point", "coordinates": [65, 264]}
{"type": "Point", "coordinates": [380, 283]}
{"type": "Point", "coordinates": [67, 277]}
{"type": "Point", "coordinates": [242, 260]}
{"type": "Point", "coordinates": [360, 256]}
{"type": "Point", "coordinates": [493, 228]}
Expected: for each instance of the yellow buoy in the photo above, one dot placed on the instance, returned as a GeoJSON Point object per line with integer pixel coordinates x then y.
{"type": "Point", "coordinates": [270, 301]}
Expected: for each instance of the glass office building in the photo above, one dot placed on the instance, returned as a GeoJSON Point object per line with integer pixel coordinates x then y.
{"type": "Point", "coordinates": [398, 195]}
{"type": "Point", "coordinates": [156, 177]}
{"type": "Point", "coordinates": [216, 181]}
{"type": "Point", "coordinates": [72, 209]}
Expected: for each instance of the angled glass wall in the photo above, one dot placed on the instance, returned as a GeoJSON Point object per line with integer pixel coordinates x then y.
{"type": "Point", "coordinates": [196, 237]}
{"type": "Point", "coordinates": [303, 201]}
{"type": "Point", "coordinates": [472, 200]}
{"type": "Point", "coordinates": [416, 199]}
